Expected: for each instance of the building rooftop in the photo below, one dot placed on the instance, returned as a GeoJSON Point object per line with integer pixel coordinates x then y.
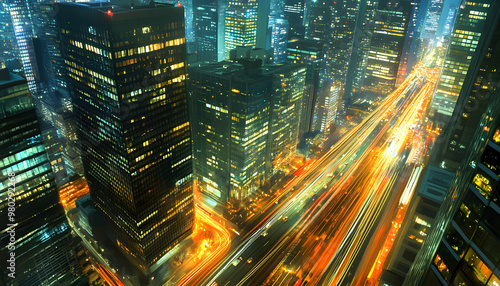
{"type": "Point", "coordinates": [435, 184]}
{"type": "Point", "coordinates": [8, 79]}
{"type": "Point", "coordinates": [244, 69]}
{"type": "Point", "coordinates": [120, 6]}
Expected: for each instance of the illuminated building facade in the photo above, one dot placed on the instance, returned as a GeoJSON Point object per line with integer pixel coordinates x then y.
{"type": "Point", "coordinates": [386, 46]}
{"type": "Point", "coordinates": [247, 117]}
{"type": "Point", "coordinates": [294, 12]}
{"type": "Point", "coordinates": [279, 40]}
{"type": "Point", "coordinates": [410, 47]}
{"type": "Point", "coordinates": [127, 70]}
{"type": "Point", "coordinates": [288, 86]}
{"type": "Point", "coordinates": [422, 210]}
{"type": "Point", "coordinates": [8, 45]}
{"type": "Point", "coordinates": [76, 188]}
{"type": "Point", "coordinates": [320, 20]}
{"type": "Point", "coordinates": [467, 33]}
{"type": "Point", "coordinates": [331, 106]}
{"type": "Point", "coordinates": [206, 22]}
{"type": "Point", "coordinates": [231, 114]}
{"type": "Point", "coordinates": [340, 47]}
{"type": "Point", "coordinates": [308, 52]}
{"type": "Point", "coordinates": [240, 25]}
{"type": "Point", "coordinates": [431, 21]}
{"type": "Point", "coordinates": [24, 32]}
{"type": "Point", "coordinates": [450, 21]}
{"type": "Point", "coordinates": [363, 31]}
{"type": "Point", "coordinates": [462, 248]}
{"type": "Point", "coordinates": [478, 87]}
{"type": "Point", "coordinates": [43, 253]}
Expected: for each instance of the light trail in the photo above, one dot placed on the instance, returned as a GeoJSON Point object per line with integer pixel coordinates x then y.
{"type": "Point", "coordinates": [224, 243]}
{"type": "Point", "coordinates": [360, 206]}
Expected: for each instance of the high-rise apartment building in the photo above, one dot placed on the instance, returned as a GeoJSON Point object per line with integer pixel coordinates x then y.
{"type": "Point", "coordinates": [467, 35]}
{"type": "Point", "coordinates": [35, 237]}
{"type": "Point", "coordinates": [127, 68]}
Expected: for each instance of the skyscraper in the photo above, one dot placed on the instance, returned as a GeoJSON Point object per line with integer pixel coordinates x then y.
{"type": "Point", "coordinates": [432, 16]}
{"type": "Point", "coordinates": [311, 53]}
{"type": "Point", "coordinates": [127, 67]}
{"type": "Point", "coordinates": [450, 21]}
{"type": "Point", "coordinates": [247, 118]}
{"type": "Point", "coordinates": [386, 46]}
{"type": "Point", "coordinates": [358, 57]}
{"type": "Point", "coordinates": [37, 235]}
{"type": "Point", "coordinates": [412, 38]}
{"type": "Point", "coordinates": [231, 105]}
{"type": "Point", "coordinates": [8, 43]}
{"type": "Point", "coordinates": [320, 20]}
{"type": "Point", "coordinates": [286, 102]}
{"type": "Point", "coordinates": [462, 248]}
{"type": "Point", "coordinates": [468, 33]}
{"type": "Point", "coordinates": [241, 24]}
{"type": "Point", "coordinates": [24, 33]}
{"type": "Point", "coordinates": [206, 22]}
{"type": "Point", "coordinates": [476, 92]}
{"type": "Point", "coordinates": [294, 12]}
{"type": "Point", "coordinates": [279, 39]}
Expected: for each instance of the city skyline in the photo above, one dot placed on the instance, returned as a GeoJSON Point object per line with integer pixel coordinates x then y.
{"type": "Point", "coordinates": [250, 142]}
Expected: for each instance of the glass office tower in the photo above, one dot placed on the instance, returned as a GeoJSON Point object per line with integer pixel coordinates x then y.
{"type": "Point", "coordinates": [241, 25]}
{"type": "Point", "coordinates": [467, 34]}
{"type": "Point", "coordinates": [462, 248]}
{"type": "Point", "coordinates": [37, 234]}
{"type": "Point", "coordinates": [127, 69]}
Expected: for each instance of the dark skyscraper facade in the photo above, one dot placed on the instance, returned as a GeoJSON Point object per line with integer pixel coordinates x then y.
{"type": "Point", "coordinates": [231, 131]}
{"type": "Point", "coordinates": [320, 20]}
{"type": "Point", "coordinates": [311, 53]}
{"type": "Point", "coordinates": [295, 14]}
{"type": "Point", "coordinates": [386, 46]}
{"type": "Point", "coordinates": [462, 248]}
{"type": "Point", "coordinates": [38, 235]}
{"type": "Point", "coordinates": [243, 138]}
{"type": "Point", "coordinates": [206, 27]}
{"type": "Point", "coordinates": [409, 52]}
{"type": "Point", "coordinates": [127, 70]}
{"type": "Point", "coordinates": [467, 34]}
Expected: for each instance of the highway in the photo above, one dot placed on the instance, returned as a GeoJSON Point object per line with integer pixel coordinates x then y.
{"type": "Point", "coordinates": [317, 231]}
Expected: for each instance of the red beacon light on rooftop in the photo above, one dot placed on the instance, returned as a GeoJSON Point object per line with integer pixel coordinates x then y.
{"type": "Point", "coordinates": [179, 4]}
